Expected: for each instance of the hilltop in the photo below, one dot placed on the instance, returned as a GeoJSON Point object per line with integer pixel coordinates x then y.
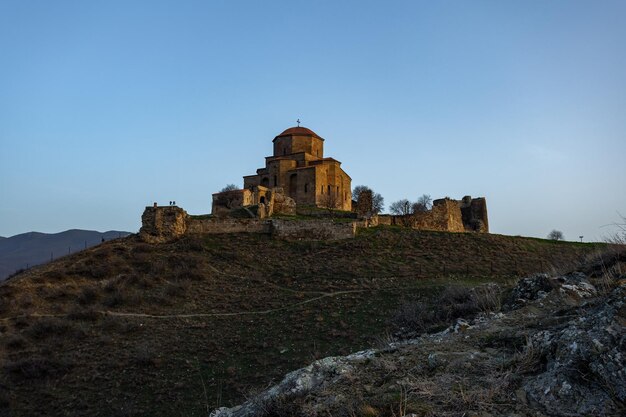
{"type": "Point", "coordinates": [130, 329]}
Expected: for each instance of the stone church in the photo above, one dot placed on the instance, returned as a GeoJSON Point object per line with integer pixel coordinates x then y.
{"type": "Point", "coordinates": [299, 168]}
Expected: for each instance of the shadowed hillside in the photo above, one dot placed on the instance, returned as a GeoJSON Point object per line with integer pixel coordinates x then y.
{"type": "Point", "coordinates": [33, 248]}
{"type": "Point", "coordinates": [131, 329]}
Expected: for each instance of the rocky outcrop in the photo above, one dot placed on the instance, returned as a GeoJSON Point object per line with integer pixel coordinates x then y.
{"type": "Point", "coordinates": [558, 351]}
{"type": "Point", "coordinates": [585, 373]}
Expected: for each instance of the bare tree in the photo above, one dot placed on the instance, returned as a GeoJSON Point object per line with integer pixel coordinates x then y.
{"type": "Point", "coordinates": [229, 187]}
{"type": "Point", "coordinates": [556, 235]}
{"type": "Point", "coordinates": [377, 201]}
{"type": "Point", "coordinates": [424, 203]}
{"type": "Point", "coordinates": [401, 207]}
{"type": "Point", "coordinates": [619, 236]}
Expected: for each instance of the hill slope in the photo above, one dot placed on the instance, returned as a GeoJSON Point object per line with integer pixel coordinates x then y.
{"type": "Point", "coordinates": [34, 248]}
{"type": "Point", "coordinates": [132, 329]}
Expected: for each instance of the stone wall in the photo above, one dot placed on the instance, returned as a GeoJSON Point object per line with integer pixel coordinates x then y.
{"type": "Point", "coordinates": [166, 224]}
{"type": "Point", "coordinates": [214, 225]}
{"type": "Point", "coordinates": [312, 229]}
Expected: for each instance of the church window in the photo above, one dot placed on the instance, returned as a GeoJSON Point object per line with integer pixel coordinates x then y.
{"type": "Point", "coordinates": [284, 151]}
{"type": "Point", "coordinates": [306, 187]}
{"type": "Point", "coordinates": [275, 181]}
{"type": "Point", "coordinates": [322, 189]}
{"type": "Point", "coordinates": [329, 190]}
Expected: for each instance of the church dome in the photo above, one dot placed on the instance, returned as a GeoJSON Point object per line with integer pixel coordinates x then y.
{"type": "Point", "coordinates": [299, 131]}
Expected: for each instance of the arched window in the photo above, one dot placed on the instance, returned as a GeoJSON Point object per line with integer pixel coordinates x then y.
{"type": "Point", "coordinates": [329, 190]}
{"type": "Point", "coordinates": [306, 187]}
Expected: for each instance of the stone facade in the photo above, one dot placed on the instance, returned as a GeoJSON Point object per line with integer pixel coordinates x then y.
{"type": "Point", "coordinates": [299, 168]}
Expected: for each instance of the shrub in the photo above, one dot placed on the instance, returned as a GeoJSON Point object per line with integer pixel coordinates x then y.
{"type": "Point", "coordinates": [114, 299]}
{"type": "Point", "coordinates": [488, 298]}
{"type": "Point", "coordinates": [416, 316]}
{"type": "Point", "coordinates": [54, 274]}
{"type": "Point", "coordinates": [35, 367]}
{"type": "Point", "coordinates": [455, 302]}
{"type": "Point", "coordinates": [84, 314]}
{"type": "Point", "coordinates": [144, 356]}
{"type": "Point", "coordinates": [15, 342]}
{"type": "Point", "coordinates": [49, 326]}
{"type": "Point", "coordinates": [87, 296]}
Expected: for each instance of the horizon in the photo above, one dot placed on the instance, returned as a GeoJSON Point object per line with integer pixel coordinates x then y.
{"type": "Point", "coordinates": [107, 108]}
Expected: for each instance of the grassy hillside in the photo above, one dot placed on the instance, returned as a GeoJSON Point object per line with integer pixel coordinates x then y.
{"type": "Point", "coordinates": [131, 329]}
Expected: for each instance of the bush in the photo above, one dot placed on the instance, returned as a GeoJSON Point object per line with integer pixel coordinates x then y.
{"type": "Point", "coordinates": [452, 303]}
{"type": "Point", "coordinates": [456, 302]}
{"type": "Point", "coordinates": [88, 295]}
{"type": "Point", "coordinates": [35, 367]}
{"type": "Point", "coordinates": [50, 326]}
{"type": "Point", "coordinates": [84, 314]}
{"type": "Point", "coordinates": [15, 342]}
{"type": "Point", "coordinates": [114, 299]}
{"type": "Point", "coordinates": [416, 316]}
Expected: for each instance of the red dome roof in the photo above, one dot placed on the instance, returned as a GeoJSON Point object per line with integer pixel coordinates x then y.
{"type": "Point", "coordinates": [299, 131]}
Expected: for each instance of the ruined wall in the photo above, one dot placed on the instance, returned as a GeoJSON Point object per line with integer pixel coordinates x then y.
{"type": "Point", "coordinates": [474, 211]}
{"type": "Point", "coordinates": [225, 201]}
{"type": "Point", "coordinates": [312, 230]}
{"type": "Point", "coordinates": [446, 215]}
{"type": "Point", "coordinates": [227, 225]}
{"type": "Point", "coordinates": [162, 224]}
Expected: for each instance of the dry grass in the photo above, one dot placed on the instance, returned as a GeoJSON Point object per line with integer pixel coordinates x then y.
{"type": "Point", "coordinates": [151, 362]}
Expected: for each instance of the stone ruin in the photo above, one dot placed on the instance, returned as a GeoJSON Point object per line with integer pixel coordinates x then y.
{"type": "Point", "coordinates": [447, 215]}
{"type": "Point", "coordinates": [257, 201]}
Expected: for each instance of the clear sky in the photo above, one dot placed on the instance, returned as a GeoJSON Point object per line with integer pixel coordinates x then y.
{"type": "Point", "coordinates": [107, 106]}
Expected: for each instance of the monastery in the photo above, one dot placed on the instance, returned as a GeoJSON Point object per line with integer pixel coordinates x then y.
{"type": "Point", "coordinates": [299, 169]}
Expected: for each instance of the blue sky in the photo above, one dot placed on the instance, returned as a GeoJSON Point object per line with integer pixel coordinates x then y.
{"type": "Point", "coordinates": [106, 107]}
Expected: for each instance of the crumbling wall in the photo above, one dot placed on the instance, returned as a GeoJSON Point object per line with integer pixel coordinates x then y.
{"type": "Point", "coordinates": [312, 229]}
{"type": "Point", "coordinates": [228, 200]}
{"type": "Point", "coordinates": [162, 224]}
{"type": "Point", "coordinates": [445, 215]}
{"type": "Point", "coordinates": [269, 202]}
{"type": "Point", "coordinates": [448, 215]}
{"type": "Point", "coordinates": [215, 225]}
{"type": "Point", "coordinates": [474, 211]}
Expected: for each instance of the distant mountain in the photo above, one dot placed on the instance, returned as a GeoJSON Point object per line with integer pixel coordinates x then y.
{"type": "Point", "coordinates": [34, 248]}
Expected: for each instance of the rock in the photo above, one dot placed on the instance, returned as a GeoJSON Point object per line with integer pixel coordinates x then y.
{"type": "Point", "coordinates": [528, 289]}
{"type": "Point", "coordinates": [585, 361]}
{"type": "Point", "coordinates": [298, 383]}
